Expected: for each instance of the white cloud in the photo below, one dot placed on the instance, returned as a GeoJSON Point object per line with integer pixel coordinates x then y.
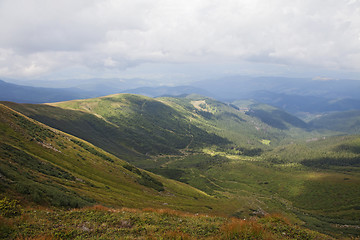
{"type": "Point", "coordinates": [41, 36]}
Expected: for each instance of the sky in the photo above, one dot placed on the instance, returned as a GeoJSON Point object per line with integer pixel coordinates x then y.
{"type": "Point", "coordinates": [177, 41]}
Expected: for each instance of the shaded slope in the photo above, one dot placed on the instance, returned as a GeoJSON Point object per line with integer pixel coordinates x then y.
{"type": "Point", "coordinates": [348, 122]}
{"type": "Point", "coordinates": [124, 124]}
{"type": "Point", "coordinates": [272, 116]}
{"type": "Point", "coordinates": [83, 125]}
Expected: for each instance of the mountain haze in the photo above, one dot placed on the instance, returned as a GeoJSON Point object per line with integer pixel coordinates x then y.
{"type": "Point", "coordinates": [27, 94]}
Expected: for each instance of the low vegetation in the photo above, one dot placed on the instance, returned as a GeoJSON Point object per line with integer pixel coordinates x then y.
{"type": "Point", "coordinates": [100, 222]}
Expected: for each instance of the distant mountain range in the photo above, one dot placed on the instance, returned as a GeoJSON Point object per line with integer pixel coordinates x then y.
{"type": "Point", "coordinates": [27, 94]}
{"type": "Point", "coordinates": [295, 95]}
{"type": "Point", "coordinates": [232, 88]}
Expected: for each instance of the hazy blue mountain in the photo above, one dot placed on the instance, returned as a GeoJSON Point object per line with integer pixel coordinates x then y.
{"type": "Point", "coordinates": [304, 103]}
{"type": "Point", "coordinates": [98, 86]}
{"type": "Point", "coordinates": [291, 94]}
{"type": "Point", "coordinates": [168, 91]}
{"type": "Point", "coordinates": [27, 94]}
{"type": "Point", "coordinates": [295, 95]}
{"type": "Point", "coordinates": [232, 88]}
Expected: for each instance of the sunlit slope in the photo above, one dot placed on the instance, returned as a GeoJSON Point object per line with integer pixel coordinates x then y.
{"type": "Point", "coordinates": [47, 166]}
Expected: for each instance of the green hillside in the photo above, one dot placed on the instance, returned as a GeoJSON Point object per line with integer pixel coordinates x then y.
{"type": "Point", "coordinates": [129, 126]}
{"type": "Point", "coordinates": [246, 159]}
{"type": "Point", "coordinates": [141, 125]}
{"type": "Point", "coordinates": [41, 166]}
{"type": "Point", "coordinates": [44, 166]}
{"type": "Point", "coordinates": [233, 121]}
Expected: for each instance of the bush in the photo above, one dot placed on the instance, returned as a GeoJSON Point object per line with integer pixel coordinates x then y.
{"type": "Point", "coordinates": [242, 229]}
{"type": "Point", "coordinates": [9, 208]}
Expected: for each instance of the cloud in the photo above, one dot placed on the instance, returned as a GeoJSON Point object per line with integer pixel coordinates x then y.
{"type": "Point", "coordinates": [42, 36]}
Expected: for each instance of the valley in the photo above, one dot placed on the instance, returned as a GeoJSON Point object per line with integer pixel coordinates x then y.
{"type": "Point", "coordinates": [192, 153]}
{"type": "Point", "coordinates": [179, 120]}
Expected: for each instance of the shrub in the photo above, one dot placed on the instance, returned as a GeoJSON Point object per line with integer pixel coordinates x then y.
{"type": "Point", "coordinates": [242, 229]}
{"type": "Point", "coordinates": [9, 208]}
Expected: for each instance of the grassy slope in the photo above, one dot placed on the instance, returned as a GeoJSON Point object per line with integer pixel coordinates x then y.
{"type": "Point", "coordinates": [47, 166]}
{"type": "Point", "coordinates": [83, 125]}
{"type": "Point", "coordinates": [134, 127]}
{"type": "Point", "coordinates": [129, 126]}
{"type": "Point", "coordinates": [253, 184]}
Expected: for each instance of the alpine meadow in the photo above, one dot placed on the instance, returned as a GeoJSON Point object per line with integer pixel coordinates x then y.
{"type": "Point", "coordinates": [192, 154]}
{"type": "Point", "coordinates": [180, 120]}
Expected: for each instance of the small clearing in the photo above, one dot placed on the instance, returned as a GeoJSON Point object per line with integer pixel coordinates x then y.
{"type": "Point", "coordinates": [199, 105]}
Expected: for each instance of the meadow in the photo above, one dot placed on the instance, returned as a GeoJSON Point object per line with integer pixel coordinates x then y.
{"type": "Point", "coordinates": [193, 154]}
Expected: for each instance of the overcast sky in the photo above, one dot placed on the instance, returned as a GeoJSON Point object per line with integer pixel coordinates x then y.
{"type": "Point", "coordinates": [177, 40]}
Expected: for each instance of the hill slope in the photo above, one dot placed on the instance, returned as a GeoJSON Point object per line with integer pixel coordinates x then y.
{"type": "Point", "coordinates": [347, 122]}
{"type": "Point", "coordinates": [45, 166]}
{"type": "Point", "coordinates": [136, 127]}
{"type": "Point", "coordinates": [129, 126]}
{"type": "Point", "coordinates": [221, 150]}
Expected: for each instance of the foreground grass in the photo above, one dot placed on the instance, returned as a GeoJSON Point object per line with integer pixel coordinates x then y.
{"type": "Point", "coordinates": [99, 222]}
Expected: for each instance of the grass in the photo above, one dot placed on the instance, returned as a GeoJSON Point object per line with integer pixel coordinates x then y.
{"type": "Point", "coordinates": [100, 222]}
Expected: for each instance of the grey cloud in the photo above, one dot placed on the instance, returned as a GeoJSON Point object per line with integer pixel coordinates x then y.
{"type": "Point", "coordinates": [41, 36]}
